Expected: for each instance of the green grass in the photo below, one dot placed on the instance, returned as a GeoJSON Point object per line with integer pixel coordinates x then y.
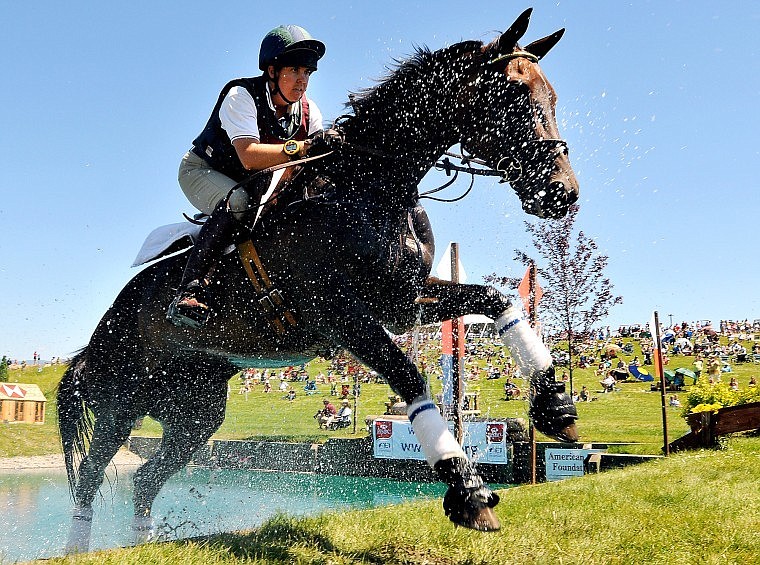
{"type": "Point", "coordinates": [631, 415]}
{"type": "Point", "coordinates": [697, 507]}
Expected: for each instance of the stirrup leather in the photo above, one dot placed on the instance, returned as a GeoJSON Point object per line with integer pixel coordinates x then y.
{"type": "Point", "coordinates": [270, 299]}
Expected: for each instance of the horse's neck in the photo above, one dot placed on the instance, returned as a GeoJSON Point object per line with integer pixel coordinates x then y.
{"type": "Point", "coordinates": [414, 127]}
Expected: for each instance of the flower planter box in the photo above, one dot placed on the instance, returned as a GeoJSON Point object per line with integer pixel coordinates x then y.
{"type": "Point", "coordinates": [707, 427]}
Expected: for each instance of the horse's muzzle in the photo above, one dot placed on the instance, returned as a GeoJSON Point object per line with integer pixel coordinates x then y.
{"type": "Point", "coordinates": [551, 202]}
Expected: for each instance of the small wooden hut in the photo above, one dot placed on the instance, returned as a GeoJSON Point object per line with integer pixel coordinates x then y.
{"type": "Point", "coordinates": [22, 403]}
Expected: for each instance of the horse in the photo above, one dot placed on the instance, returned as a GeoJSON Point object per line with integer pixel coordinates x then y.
{"type": "Point", "coordinates": [345, 253]}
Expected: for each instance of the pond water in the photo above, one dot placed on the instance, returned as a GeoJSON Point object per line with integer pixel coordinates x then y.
{"type": "Point", "coordinates": [35, 506]}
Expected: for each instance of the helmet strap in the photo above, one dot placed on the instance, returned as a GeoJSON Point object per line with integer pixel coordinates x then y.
{"type": "Point", "coordinates": [277, 87]}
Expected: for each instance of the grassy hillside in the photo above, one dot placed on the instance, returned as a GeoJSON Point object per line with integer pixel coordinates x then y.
{"type": "Point", "coordinates": [632, 414]}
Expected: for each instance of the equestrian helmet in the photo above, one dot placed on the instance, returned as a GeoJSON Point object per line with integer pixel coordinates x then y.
{"type": "Point", "coordinates": [290, 46]}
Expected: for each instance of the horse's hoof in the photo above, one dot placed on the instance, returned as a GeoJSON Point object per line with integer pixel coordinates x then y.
{"type": "Point", "coordinates": [569, 434]}
{"type": "Point", "coordinates": [472, 508]}
{"type": "Point", "coordinates": [554, 414]}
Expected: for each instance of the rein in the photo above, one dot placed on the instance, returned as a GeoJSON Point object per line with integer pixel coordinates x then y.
{"type": "Point", "coordinates": [443, 165]}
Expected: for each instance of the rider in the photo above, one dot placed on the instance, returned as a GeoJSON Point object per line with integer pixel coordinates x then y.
{"type": "Point", "coordinates": [256, 123]}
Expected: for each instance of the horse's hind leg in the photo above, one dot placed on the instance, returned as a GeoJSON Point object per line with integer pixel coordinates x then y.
{"type": "Point", "coordinates": [108, 436]}
{"type": "Point", "coordinates": [186, 428]}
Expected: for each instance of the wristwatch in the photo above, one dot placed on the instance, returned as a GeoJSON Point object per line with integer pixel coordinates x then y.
{"type": "Point", "coordinates": [291, 148]}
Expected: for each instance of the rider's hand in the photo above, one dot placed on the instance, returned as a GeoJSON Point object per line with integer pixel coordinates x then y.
{"type": "Point", "coordinates": [324, 141]}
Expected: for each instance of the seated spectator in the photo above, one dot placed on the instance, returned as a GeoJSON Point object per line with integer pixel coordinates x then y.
{"type": "Point", "coordinates": [733, 384]}
{"type": "Point", "coordinates": [326, 415]}
{"type": "Point", "coordinates": [395, 406]}
{"type": "Point", "coordinates": [608, 383]}
{"type": "Point", "coordinates": [584, 395]}
{"type": "Point", "coordinates": [311, 387]}
{"type": "Point", "coordinates": [343, 416]}
{"type": "Point", "coordinates": [674, 402]}
{"type": "Point", "coordinates": [511, 390]}
{"type": "Point", "coordinates": [291, 395]}
{"type": "Point", "coordinates": [752, 381]}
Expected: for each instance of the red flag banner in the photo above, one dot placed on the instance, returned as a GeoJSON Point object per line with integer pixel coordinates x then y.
{"type": "Point", "coordinates": [524, 291]}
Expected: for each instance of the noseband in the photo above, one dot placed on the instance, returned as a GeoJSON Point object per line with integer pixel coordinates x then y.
{"type": "Point", "coordinates": [511, 167]}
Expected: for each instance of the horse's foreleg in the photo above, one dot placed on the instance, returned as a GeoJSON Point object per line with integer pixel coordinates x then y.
{"type": "Point", "coordinates": [106, 440]}
{"type": "Point", "coordinates": [552, 409]}
{"type": "Point", "coordinates": [468, 501]}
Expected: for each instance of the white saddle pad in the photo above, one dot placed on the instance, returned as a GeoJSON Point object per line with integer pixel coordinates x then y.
{"type": "Point", "coordinates": [176, 237]}
{"type": "Point", "coordinates": [166, 240]}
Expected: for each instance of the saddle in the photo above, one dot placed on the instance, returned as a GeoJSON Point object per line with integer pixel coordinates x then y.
{"type": "Point", "coordinates": [174, 238]}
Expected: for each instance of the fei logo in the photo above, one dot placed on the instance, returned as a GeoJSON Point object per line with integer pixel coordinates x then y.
{"type": "Point", "coordinates": [383, 429]}
{"type": "Point", "coordinates": [494, 433]}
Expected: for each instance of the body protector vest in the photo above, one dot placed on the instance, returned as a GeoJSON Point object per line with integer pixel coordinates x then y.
{"type": "Point", "coordinates": [214, 146]}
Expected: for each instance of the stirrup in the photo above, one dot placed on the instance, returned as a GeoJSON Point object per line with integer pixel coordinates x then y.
{"type": "Point", "coordinates": [188, 308]}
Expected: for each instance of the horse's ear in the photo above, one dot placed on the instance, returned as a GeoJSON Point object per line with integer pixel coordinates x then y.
{"type": "Point", "coordinates": [508, 39]}
{"type": "Point", "coordinates": [542, 46]}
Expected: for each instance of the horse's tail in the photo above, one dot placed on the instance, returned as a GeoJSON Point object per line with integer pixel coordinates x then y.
{"type": "Point", "coordinates": [75, 422]}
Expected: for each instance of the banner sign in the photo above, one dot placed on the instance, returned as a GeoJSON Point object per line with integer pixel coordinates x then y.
{"type": "Point", "coordinates": [484, 442]}
{"type": "Point", "coordinates": [566, 463]}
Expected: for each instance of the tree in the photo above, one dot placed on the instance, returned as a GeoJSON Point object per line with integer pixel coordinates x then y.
{"type": "Point", "coordinates": [4, 370]}
{"type": "Point", "coordinates": [576, 293]}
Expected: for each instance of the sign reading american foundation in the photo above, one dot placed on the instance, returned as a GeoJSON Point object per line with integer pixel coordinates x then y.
{"type": "Point", "coordinates": [484, 442]}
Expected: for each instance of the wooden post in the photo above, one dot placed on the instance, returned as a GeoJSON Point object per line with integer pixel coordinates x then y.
{"type": "Point", "coordinates": [661, 370]}
{"type": "Point", "coordinates": [532, 321]}
{"type": "Point", "coordinates": [356, 400]}
{"type": "Point", "coordinates": [455, 360]}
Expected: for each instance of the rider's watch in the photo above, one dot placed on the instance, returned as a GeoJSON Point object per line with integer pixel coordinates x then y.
{"type": "Point", "coordinates": [291, 148]}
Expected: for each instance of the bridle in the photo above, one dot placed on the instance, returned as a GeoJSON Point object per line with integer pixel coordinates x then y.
{"type": "Point", "coordinates": [510, 166]}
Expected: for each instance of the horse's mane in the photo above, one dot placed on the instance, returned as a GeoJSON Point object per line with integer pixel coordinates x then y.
{"type": "Point", "coordinates": [405, 72]}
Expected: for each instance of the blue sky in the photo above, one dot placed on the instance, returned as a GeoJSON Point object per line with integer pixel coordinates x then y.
{"type": "Point", "coordinates": [99, 100]}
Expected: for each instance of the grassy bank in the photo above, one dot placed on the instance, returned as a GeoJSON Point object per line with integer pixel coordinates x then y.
{"type": "Point", "coordinates": [699, 507]}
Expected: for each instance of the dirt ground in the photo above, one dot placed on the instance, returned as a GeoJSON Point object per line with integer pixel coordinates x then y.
{"type": "Point", "coordinates": [123, 458]}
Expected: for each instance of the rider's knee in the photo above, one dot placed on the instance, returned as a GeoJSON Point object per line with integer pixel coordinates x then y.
{"type": "Point", "coordinates": [240, 204]}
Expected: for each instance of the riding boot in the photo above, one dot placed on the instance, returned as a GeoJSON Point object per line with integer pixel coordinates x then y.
{"type": "Point", "coordinates": [468, 502]}
{"type": "Point", "coordinates": [190, 306]}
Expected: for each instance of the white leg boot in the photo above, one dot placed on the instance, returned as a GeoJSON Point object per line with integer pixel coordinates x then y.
{"type": "Point", "coordinates": [143, 530]}
{"type": "Point", "coordinates": [79, 533]}
{"type": "Point", "coordinates": [552, 410]}
{"type": "Point", "coordinates": [468, 502]}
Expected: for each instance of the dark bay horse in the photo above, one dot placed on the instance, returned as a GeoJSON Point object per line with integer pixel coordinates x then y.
{"type": "Point", "coordinates": [336, 253]}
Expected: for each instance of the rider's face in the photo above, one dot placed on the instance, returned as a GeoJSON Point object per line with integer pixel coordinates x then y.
{"type": "Point", "coordinates": [293, 82]}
